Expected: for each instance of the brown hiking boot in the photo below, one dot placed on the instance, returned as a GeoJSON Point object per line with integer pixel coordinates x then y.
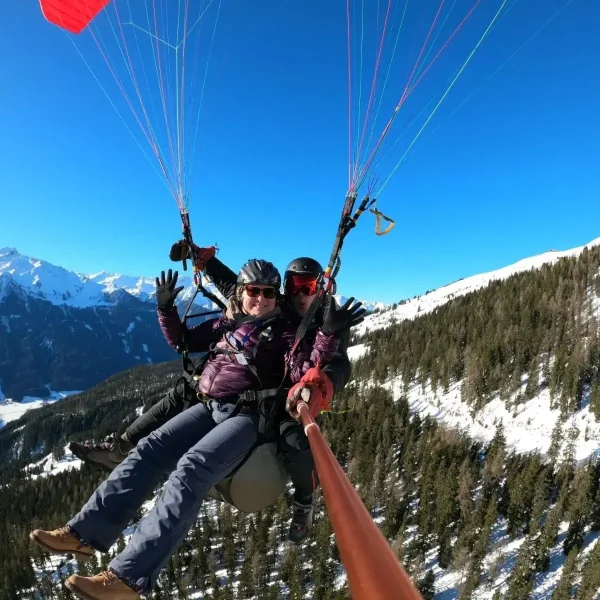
{"type": "Point", "coordinates": [61, 541]}
{"type": "Point", "coordinates": [110, 453]}
{"type": "Point", "coordinates": [104, 586]}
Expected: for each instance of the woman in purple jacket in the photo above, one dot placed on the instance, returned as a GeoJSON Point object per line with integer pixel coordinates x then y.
{"type": "Point", "coordinates": [249, 350]}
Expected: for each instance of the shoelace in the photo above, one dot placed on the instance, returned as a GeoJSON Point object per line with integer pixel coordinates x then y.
{"type": "Point", "coordinates": [64, 532]}
{"type": "Point", "coordinates": [107, 444]}
{"type": "Point", "coordinates": [109, 578]}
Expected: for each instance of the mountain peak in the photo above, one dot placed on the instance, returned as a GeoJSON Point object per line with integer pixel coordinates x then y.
{"type": "Point", "coordinates": [61, 286]}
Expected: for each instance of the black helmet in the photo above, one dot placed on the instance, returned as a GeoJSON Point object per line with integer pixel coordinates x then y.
{"type": "Point", "coordinates": [303, 266]}
{"type": "Point", "coordinates": [259, 271]}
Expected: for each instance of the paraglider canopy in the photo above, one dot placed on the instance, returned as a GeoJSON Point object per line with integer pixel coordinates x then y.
{"type": "Point", "coordinates": [72, 15]}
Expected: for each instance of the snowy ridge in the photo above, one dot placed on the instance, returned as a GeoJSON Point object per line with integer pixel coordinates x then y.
{"type": "Point", "coordinates": [432, 300]}
{"type": "Point", "coordinates": [60, 286]}
{"type": "Point", "coordinates": [44, 280]}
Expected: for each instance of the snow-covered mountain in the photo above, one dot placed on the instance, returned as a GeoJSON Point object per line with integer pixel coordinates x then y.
{"type": "Point", "coordinates": [41, 279]}
{"type": "Point", "coordinates": [410, 309]}
{"type": "Point", "coordinates": [60, 286]}
{"type": "Point", "coordinates": [65, 330]}
{"type": "Point", "coordinates": [528, 425]}
{"type": "Point", "coordinates": [54, 297]}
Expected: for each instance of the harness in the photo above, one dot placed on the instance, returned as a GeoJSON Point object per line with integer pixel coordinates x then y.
{"type": "Point", "coordinates": [250, 398]}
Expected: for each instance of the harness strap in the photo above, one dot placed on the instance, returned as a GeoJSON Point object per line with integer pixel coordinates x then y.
{"type": "Point", "coordinates": [378, 216]}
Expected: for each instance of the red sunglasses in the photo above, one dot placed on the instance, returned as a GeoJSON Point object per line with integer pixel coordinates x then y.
{"type": "Point", "coordinates": [254, 291]}
{"type": "Point", "coordinates": [301, 284]}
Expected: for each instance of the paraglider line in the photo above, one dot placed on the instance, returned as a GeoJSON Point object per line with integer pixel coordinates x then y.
{"type": "Point", "coordinates": [408, 90]}
{"type": "Point", "coordinates": [481, 39]}
{"type": "Point", "coordinates": [364, 170]}
{"type": "Point", "coordinates": [422, 110]}
{"type": "Point", "coordinates": [156, 37]}
{"type": "Point", "coordinates": [126, 96]}
{"type": "Point", "coordinates": [131, 73]}
{"type": "Point", "coordinates": [443, 47]}
{"type": "Point", "coordinates": [190, 102]}
{"type": "Point", "coordinates": [162, 94]}
{"type": "Point", "coordinates": [205, 76]}
{"type": "Point", "coordinates": [197, 21]}
{"type": "Point", "coordinates": [350, 157]}
{"type": "Point", "coordinates": [154, 57]}
{"type": "Point", "coordinates": [373, 84]}
{"type": "Point", "coordinates": [506, 61]}
{"type": "Point", "coordinates": [388, 74]}
{"type": "Point", "coordinates": [437, 35]}
{"type": "Point", "coordinates": [134, 78]}
{"type": "Point", "coordinates": [181, 113]}
{"type": "Point", "coordinates": [404, 94]}
{"type": "Point", "coordinates": [144, 71]}
{"type": "Point", "coordinates": [360, 72]}
{"type": "Point", "coordinates": [166, 182]}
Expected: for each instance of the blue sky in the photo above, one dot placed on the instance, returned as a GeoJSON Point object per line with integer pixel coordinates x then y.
{"type": "Point", "coordinates": [511, 173]}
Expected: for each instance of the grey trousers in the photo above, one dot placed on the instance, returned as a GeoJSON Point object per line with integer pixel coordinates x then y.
{"type": "Point", "coordinates": [199, 447]}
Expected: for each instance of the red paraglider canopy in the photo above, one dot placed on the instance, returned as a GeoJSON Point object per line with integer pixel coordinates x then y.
{"type": "Point", "coordinates": [72, 15]}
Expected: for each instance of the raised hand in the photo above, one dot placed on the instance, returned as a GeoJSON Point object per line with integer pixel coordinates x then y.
{"type": "Point", "coordinates": [339, 319]}
{"type": "Point", "coordinates": [166, 292]}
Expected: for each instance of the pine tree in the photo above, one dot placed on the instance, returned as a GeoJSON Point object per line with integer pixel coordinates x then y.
{"type": "Point", "coordinates": [290, 574]}
{"type": "Point", "coordinates": [245, 587]}
{"type": "Point", "coordinates": [579, 509]}
{"type": "Point", "coordinates": [426, 585]}
{"type": "Point", "coordinates": [541, 499]}
{"type": "Point", "coordinates": [555, 442]}
{"type": "Point", "coordinates": [520, 583]}
{"type": "Point", "coordinates": [590, 576]}
{"type": "Point", "coordinates": [563, 589]}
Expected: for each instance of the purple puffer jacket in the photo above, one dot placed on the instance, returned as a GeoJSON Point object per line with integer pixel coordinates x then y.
{"type": "Point", "coordinates": [224, 375]}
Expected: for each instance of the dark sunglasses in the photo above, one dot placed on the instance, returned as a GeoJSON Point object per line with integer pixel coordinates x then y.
{"type": "Point", "coordinates": [301, 284]}
{"type": "Point", "coordinates": [254, 291]}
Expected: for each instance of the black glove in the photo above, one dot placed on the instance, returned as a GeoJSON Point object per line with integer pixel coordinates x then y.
{"type": "Point", "coordinates": [166, 292]}
{"type": "Point", "coordinates": [337, 320]}
{"type": "Point", "coordinates": [179, 251]}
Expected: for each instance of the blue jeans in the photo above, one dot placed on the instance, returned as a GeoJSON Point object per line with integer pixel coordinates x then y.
{"type": "Point", "coordinates": [199, 447]}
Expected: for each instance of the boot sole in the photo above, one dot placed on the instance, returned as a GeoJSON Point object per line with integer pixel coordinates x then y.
{"type": "Point", "coordinates": [109, 466]}
{"type": "Point", "coordinates": [77, 591]}
{"type": "Point", "coordinates": [85, 457]}
{"type": "Point", "coordinates": [73, 588]}
{"type": "Point", "coordinates": [79, 555]}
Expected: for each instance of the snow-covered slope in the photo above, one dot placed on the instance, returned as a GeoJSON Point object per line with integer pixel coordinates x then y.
{"type": "Point", "coordinates": [527, 425]}
{"type": "Point", "coordinates": [429, 302]}
{"type": "Point", "coordinates": [11, 411]}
